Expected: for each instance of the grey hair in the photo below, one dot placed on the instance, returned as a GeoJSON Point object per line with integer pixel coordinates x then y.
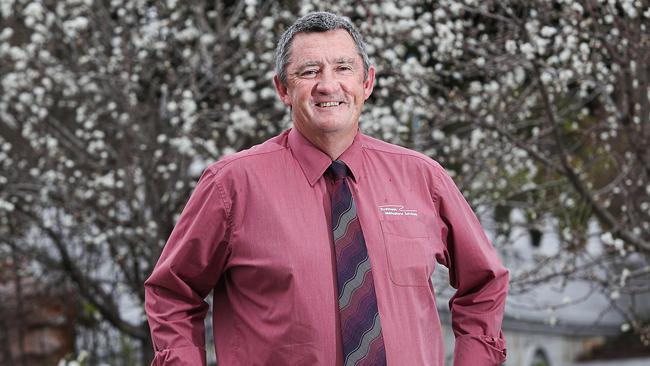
{"type": "Point", "coordinates": [312, 23]}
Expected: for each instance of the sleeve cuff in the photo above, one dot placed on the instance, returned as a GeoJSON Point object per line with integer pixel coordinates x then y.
{"type": "Point", "coordinates": [182, 356]}
{"type": "Point", "coordinates": [472, 350]}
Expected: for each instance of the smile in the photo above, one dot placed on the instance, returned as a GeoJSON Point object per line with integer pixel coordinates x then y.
{"type": "Point", "coordinates": [328, 104]}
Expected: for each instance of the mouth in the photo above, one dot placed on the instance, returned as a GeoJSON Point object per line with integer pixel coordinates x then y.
{"type": "Point", "coordinates": [328, 104]}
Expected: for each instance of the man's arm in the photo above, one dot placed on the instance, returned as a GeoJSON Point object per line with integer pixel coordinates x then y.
{"type": "Point", "coordinates": [479, 277]}
{"type": "Point", "coordinates": [189, 267]}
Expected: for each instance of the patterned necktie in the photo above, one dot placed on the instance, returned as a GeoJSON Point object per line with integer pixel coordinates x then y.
{"type": "Point", "coordinates": [360, 325]}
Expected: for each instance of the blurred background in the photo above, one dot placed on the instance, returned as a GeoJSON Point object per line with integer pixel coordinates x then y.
{"type": "Point", "coordinates": [111, 109]}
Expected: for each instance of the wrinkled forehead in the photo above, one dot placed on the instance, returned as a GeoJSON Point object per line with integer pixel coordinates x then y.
{"type": "Point", "coordinates": [333, 46]}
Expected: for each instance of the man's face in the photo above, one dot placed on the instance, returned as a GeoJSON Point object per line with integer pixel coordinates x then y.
{"type": "Point", "coordinates": [325, 84]}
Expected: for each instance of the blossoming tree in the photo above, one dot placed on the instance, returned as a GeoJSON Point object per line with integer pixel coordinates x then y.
{"type": "Point", "coordinates": [110, 109]}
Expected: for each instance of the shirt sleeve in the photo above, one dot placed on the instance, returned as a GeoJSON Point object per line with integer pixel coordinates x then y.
{"type": "Point", "coordinates": [480, 280]}
{"type": "Point", "coordinates": [189, 267]}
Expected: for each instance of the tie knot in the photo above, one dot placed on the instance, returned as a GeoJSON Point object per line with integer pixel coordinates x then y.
{"type": "Point", "coordinates": [338, 169]}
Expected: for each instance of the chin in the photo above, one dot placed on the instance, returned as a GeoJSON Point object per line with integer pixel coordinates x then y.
{"type": "Point", "coordinates": [333, 126]}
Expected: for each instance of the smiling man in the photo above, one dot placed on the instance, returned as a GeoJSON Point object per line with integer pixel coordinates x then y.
{"type": "Point", "coordinates": [325, 85]}
{"type": "Point", "coordinates": [320, 243]}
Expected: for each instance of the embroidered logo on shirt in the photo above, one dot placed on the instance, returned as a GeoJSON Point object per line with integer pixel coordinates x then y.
{"type": "Point", "coordinates": [397, 210]}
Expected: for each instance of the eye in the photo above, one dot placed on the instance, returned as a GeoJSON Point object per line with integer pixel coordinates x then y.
{"type": "Point", "coordinates": [345, 68]}
{"type": "Point", "coordinates": [309, 73]}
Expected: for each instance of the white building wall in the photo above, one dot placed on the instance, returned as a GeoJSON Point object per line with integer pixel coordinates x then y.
{"type": "Point", "coordinates": [559, 350]}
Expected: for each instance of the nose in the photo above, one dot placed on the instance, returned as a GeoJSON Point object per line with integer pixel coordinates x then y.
{"type": "Point", "coordinates": [327, 83]}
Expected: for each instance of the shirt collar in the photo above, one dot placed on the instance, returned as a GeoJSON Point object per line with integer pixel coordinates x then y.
{"type": "Point", "coordinates": [314, 162]}
{"type": "Point", "coordinates": [352, 157]}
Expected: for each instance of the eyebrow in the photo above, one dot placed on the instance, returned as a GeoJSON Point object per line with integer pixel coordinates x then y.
{"type": "Point", "coordinates": [309, 64]}
{"type": "Point", "coordinates": [345, 60]}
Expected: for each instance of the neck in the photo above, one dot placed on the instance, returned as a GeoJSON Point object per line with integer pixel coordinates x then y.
{"type": "Point", "coordinates": [331, 144]}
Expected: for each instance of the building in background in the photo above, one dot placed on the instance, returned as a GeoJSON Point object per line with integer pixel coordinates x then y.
{"type": "Point", "coordinates": [37, 322]}
{"type": "Point", "coordinates": [556, 323]}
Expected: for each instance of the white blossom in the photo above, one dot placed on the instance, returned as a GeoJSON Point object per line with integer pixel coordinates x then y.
{"type": "Point", "coordinates": [34, 10]}
{"type": "Point", "coordinates": [528, 50]}
{"type": "Point", "coordinates": [6, 206]}
{"type": "Point", "coordinates": [73, 26]}
{"type": "Point", "coordinates": [548, 31]}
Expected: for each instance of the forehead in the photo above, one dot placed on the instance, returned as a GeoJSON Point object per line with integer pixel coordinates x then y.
{"type": "Point", "coordinates": [330, 45]}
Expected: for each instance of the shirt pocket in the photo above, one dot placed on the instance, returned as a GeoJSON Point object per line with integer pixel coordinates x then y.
{"type": "Point", "coordinates": [409, 251]}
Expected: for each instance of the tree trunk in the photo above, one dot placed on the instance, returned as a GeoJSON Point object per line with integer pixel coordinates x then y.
{"type": "Point", "coordinates": [146, 347]}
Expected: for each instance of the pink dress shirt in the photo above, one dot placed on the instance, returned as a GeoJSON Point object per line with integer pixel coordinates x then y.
{"type": "Point", "coordinates": [256, 230]}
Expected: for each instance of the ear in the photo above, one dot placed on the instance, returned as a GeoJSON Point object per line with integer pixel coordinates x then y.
{"type": "Point", "coordinates": [282, 91]}
{"type": "Point", "coordinates": [369, 83]}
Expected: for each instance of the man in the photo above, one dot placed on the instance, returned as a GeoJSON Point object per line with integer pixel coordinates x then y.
{"type": "Point", "coordinates": [320, 243]}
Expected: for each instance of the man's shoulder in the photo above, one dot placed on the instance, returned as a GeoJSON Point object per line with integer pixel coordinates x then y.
{"type": "Point", "coordinates": [251, 157]}
{"type": "Point", "coordinates": [387, 149]}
